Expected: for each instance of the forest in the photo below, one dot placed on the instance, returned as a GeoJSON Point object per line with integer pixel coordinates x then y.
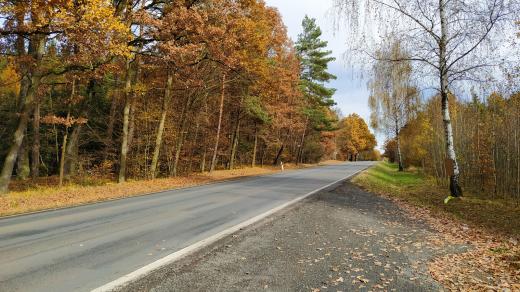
{"type": "Point", "coordinates": [487, 136]}
{"type": "Point", "coordinates": [135, 89]}
{"type": "Point", "coordinates": [443, 81]}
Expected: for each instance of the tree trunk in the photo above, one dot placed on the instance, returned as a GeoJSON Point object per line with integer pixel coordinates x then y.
{"type": "Point", "coordinates": [65, 137]}
{"type": "Point", "coordinates": [63, 151]}
{"type": "Point", "coordinates": [131, 124]}
{"type": "Point", "coordinates": [22, 163]}
{"type": "Point", "coordinates": [35, 165]}
{"type": "Point", "coordinates": [124, 144]}
{"type": "Point", "coordinates": [253, 159]}
{"type": "Point", "coordinates": [179, 141]}
{"type": "Point", "coordinates": [456, 190]}
{"type": "Point", "coordinates": [126, 119]}
{"type": "Point", "coordinates": [182, 134]}
{"type": "Point", "coordinates": [71, 152]}
{"type": "Point", "coordinates": [203, 160]}
{"type": "Point", "coordinates": [234, 143]}
{"type": "Point", "coordinates": [178, 147]}
{"type": "Point", "coordinates": [19, 134]}
{"type": "Point", "coordinates": [23, 168]}
{"type": "Point", "coordinates": [262, 157]}
{"type": "Point", "coordinates": [110, 127]}
{"type": "Point", "coordinates": [278, 155]}
{"type": "Point", "coordinates": [193, 146]}
{"type": "Point", "coordinates": [160, 129]}
{"type": "Point", "coordinates": [299, 157]}
{"type": "Point", "coordinates": [398, 142]}
{"type": "Point", "coordinates": [221, 110]}
{"type": "Point", "coordinates": [204, 136]}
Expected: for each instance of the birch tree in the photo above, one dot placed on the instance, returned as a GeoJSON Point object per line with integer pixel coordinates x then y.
{"type": "Point", "coordinates": [450, 39]}
{"type": "Point", "coordinates": [393, 98]}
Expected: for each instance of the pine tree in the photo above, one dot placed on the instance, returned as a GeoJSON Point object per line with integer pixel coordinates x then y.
{"type": "Point", "coordinates": [314, 61]}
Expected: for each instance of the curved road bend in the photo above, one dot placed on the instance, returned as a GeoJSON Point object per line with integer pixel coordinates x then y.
{"type": "Point", "coordinates": [81, 248]}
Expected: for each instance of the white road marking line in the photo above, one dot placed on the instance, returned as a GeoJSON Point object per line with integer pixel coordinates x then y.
{"type": "Point", "coordinates": [171, 258]}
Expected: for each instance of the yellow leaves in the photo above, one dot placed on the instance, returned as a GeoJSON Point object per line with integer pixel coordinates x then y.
{"type": "Point", "coordinates": [88, 24]}
{"type": "Point", "coordinates": [139, 88]}
{"type": "Point", "coordinates": [354, 135]}
{"type": "Point", "coordinates": [9, 79]}
{"type": "Point", "coordinates": [97, 28]}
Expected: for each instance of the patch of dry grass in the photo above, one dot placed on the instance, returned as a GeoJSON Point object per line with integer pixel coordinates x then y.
{"type": "Point", "coordinates": [44, 194]}
{"type": "Point", "coordinates": [496, 215]}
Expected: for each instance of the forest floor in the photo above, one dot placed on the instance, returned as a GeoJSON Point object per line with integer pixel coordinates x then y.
{"type": "Point", "coordinates": [28, 196]}
{"type": "Point", "coordinates": [349, 239]}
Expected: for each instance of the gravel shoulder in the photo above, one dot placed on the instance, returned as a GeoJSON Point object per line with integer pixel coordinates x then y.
{"type": "Point", "coordinates": [341, 239]}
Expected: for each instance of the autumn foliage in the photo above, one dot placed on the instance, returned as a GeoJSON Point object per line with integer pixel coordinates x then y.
{"type": "Point", "coordinates": [146, 89]}
{"type": "Point", "coordinates": [487, 134]}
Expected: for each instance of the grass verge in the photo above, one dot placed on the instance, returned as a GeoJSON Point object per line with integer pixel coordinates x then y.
{"type": "Point", "coordinates": [490, 227]}
{"type": "Point", "coordinates": [45, 196]}
{"type": "Point", "coordinates": [414, 188]}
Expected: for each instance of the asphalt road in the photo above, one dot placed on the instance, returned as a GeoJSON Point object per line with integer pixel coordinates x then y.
{"type": "Point", "coordinates": [339, 239]}
{"type": "Point", "coordinates": [82, 248]}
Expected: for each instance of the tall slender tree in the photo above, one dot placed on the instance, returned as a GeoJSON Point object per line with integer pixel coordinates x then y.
{"type": "Point", "coordinates": [393, 99]}
{"type": "Point", "coordinates": [314, 75]}
{"type": "Point", "coordinates": [314, 60]}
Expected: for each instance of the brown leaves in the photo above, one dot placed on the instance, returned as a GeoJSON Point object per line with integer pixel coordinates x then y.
{"type": "Point", "coordinates": [490, 264]}
{"type": "Point", "coordinates": [67, 122]}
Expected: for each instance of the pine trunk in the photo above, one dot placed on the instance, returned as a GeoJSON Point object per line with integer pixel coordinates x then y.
{"type": "Point", "coordinates": [299, 157]}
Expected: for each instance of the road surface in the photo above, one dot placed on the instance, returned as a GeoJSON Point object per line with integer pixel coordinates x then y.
{"type": "Point", "coordinates": [341, 239]}
{"type": "Point", "coordinates": [82, 248]}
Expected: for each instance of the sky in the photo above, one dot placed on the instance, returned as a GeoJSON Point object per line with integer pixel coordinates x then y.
{"type": "Point", "coordinates": [352, 93]}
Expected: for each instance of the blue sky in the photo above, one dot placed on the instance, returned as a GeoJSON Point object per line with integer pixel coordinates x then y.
{"type": "Point", "coordinates": [352, 93]}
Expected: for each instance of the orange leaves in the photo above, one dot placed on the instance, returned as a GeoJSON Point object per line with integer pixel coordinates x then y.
{"type": "Point", "coordinates": [181, 33]}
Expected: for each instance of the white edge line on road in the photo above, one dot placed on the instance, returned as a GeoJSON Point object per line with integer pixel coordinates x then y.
{"type": "Point", "coordinates": [171, 258]}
